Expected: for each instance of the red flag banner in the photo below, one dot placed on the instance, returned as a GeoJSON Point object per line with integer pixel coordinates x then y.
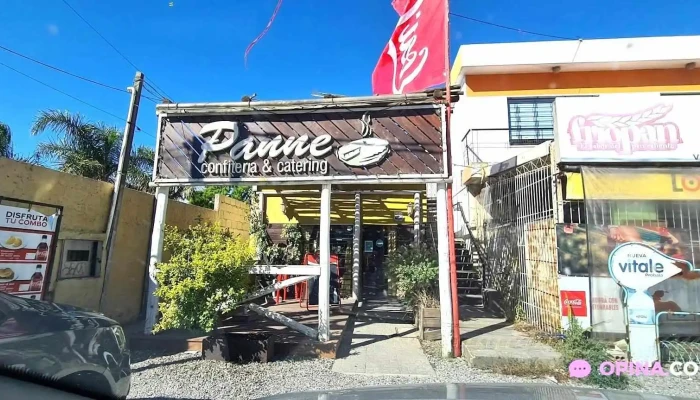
{"type": "Point", "coordinates": [414, 58]}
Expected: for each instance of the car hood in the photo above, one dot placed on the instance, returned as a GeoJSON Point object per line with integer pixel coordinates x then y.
{"type": "Point", "coordinates": [28, 317]}
{"type": "Point", "coordinates": [461, 391]}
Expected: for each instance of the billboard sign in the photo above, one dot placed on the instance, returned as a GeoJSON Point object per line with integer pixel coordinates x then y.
{"type": "Point", "coordinates": [26, 238]}
{"type": "Point", "coordinates": [321, 146]}
{"type": "Point", "coordinates": [629, 128]}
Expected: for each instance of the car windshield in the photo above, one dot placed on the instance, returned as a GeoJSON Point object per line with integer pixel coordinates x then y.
{"type": "Point", "coordinates": [365, 199]}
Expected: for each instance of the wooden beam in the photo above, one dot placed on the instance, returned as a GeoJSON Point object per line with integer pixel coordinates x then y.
{"type": "Point", "coordinates": [324, 259]}
{"type": "Point", "coordinates": [276, 286]}
{"type": "Point", "coordinates": [444, 272]}
{"type": "Point", "coordinates": [310, 332]}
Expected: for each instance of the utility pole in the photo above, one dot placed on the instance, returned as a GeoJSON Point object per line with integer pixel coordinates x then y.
{"type": "Point", "coordinates": [120, 180]}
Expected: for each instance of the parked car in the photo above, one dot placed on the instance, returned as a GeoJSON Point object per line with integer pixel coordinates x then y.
{"type": "Point", "coordinates": [65, 345]}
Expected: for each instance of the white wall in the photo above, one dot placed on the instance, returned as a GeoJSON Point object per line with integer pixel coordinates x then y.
{"type": "Point", "coordinates": [485, 122]}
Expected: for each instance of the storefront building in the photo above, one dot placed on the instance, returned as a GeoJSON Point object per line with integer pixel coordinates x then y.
{"type": "Point", "coordinates": [571, 149]}
{"type": "Point", "coordinates": [354, 173]}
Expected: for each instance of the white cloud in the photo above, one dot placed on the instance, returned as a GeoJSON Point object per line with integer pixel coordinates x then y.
{"type": "Point", "coordinates": [52, 29]}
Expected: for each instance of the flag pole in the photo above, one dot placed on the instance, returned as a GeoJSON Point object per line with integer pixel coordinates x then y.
{"type": "Point", "coordinates": [456, 339]}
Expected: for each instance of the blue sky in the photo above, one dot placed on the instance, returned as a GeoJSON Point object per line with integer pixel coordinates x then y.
{"type": "Point", "coordinates": [194, 49]}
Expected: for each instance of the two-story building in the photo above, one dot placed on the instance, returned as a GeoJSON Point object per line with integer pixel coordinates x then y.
{"type": "Point", "coordinates": [568, 149]}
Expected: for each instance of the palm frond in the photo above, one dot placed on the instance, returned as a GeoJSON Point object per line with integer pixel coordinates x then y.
{"type": "Point", "coordinates": [89, 149]}
{"type": "Point", "coordinates": [5, 141]}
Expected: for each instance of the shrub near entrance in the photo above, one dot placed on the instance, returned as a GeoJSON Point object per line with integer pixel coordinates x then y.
{"type": "Point", "coordinates": [415, 271]}
{"type": "Point", "coordinates": [207, 274]}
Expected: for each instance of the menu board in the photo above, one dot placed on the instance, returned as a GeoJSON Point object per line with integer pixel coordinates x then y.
{"type": "Point", "coordinates": [26, 238]}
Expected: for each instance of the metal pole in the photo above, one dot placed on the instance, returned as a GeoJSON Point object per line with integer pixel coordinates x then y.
{"type": "Point", "coordinates": [417, 218]}
{"type": "Point", "coordinates": [156, 256]}
{"type": "Point", "coordinates": [357, 250]}
{"type": "Point", "coordinates": [120, 180]}
{"type": "Point", "coordinates": [446, 331]}
{"type": "Point", "coordinates": [457, 341]}
{"type": "Point", "coordinates": [324, 261]}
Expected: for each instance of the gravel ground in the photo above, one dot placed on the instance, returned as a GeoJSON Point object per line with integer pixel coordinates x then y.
{"type": "Point", "coordinates": [184, 376]}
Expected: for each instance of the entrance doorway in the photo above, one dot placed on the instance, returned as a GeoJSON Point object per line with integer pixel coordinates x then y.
{"type": "Point", "coordinates": [374, 245]}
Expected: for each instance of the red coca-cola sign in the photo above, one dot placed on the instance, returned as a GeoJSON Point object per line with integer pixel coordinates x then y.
{"type": "Point", "coordinates": [574, 301]}
{"type": "Point", "coordinates": [414, 58]}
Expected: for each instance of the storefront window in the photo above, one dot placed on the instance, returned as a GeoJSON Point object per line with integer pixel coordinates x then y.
{"type": "Point", "coordinates": [658, 207]}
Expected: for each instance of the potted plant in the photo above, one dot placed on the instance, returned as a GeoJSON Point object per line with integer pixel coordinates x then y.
{"type": "Point", "coordinates": [414, 271]}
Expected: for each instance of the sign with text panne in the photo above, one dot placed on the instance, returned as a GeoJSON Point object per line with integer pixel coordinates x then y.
{"type": "Point", "coordinates": [391, 143]}
{"type": "Point", "coordinates": [633, 128]}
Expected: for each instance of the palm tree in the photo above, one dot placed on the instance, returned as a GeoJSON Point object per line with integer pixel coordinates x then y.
{"type": "Point", "coordinates": [6, 145]}
{"type": "Point", "coordinates": [5, 141]}
{"type": "Point", "coordinates": [88, 149]}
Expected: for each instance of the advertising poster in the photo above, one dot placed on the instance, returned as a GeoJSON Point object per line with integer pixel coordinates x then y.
{"type": "Point", "coordinates": [575, 298]}
{"type": "Point", "coordinates": [26, 238]}
{"type": "Point", "coordinates": [679, 293]}
{"type": "Point", "coordinates": [629, 127]}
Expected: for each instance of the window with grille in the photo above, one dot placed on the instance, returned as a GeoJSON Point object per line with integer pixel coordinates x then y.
{"type": "Point", "coordinates": [531, 120]}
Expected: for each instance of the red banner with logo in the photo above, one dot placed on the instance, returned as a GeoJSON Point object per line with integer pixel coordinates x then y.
{"type": "Point", "coordinates": [414, 58]}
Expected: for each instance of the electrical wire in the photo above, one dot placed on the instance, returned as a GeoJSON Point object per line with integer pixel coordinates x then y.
{"type": "Point", "coordinates": [61, 91]}
{"type": "Point", "coordinates": [510, 28]}
{"type": "Point", "coordinates": [148, 88]}
{"type": "Point", "coordinates": [72, 97]}
{"type": "Point", "coordinates": [161, 92]}
{"type": "Point", "coordinates": [63, 71]}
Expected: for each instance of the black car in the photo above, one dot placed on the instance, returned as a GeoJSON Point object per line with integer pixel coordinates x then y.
{"type": "Point", "coordinates": [64, 345]}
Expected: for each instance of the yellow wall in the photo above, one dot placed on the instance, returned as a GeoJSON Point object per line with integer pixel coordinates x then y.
{"type": "Point", "coordinates": [584, 82]}
{"type": "Point", "coordinates": [376, 209]}
{"type": "Point", "coordinates": [86, 205]}
{"type": "Point", "coordinates": [229, 213]}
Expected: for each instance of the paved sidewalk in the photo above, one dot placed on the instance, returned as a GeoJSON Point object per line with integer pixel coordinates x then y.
{"type": "Point", "coordinates": [380, 348]}
{"type": "Point", "coordinates": [488, 340]}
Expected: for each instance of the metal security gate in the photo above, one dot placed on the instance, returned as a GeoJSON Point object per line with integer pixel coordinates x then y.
{"type": "Point", "coordinates": [515, 222]}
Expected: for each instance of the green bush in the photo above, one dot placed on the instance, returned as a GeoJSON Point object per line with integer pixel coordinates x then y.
{"type": "Point", "coordinates": [579, 346]}
{"type": "Point", "coordinates": [207, 274]}
{"type": "Point", "coordinates": [415, 271]}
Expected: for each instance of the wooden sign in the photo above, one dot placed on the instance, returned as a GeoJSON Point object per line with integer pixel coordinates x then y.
{"type": "Point", "coordinates": [334, 145]}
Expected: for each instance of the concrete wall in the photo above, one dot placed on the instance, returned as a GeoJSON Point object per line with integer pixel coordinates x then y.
{"type": "Point", "coordinates": [229, 213]}
{"type": "Point", "coordinates": [86, 205]}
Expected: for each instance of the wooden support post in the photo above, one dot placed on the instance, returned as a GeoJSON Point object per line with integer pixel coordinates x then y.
{"type": "Point", "coordinates": [444, 271]}
{"type": "Point", "coordinates": [324, 261]}
{"type": "Point", "coordinates": [156, 256]}
{"type": "Point", "coordinates": [417, 218]}
{"type": "Point", "coordinates": [357, 250]}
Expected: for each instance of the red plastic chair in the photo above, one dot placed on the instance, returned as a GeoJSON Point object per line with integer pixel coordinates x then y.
{"type": "Point", "coordinates": [312, 259]}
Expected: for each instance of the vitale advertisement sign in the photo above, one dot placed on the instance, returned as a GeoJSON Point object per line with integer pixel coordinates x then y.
{"type": "Point", "coordinates": [26, 238]}
{"type": "Point", "coordinates": [584, 261]}
{"type": "Point", "coordinates": [628, 128]}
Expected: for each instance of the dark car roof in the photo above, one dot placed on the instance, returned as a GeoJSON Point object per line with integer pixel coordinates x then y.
{"type": "Point", "coordinates": [35, 316]}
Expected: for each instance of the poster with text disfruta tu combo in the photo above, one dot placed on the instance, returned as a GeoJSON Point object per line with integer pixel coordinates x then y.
{"type": "Point", "coordinates": [25, 250]}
